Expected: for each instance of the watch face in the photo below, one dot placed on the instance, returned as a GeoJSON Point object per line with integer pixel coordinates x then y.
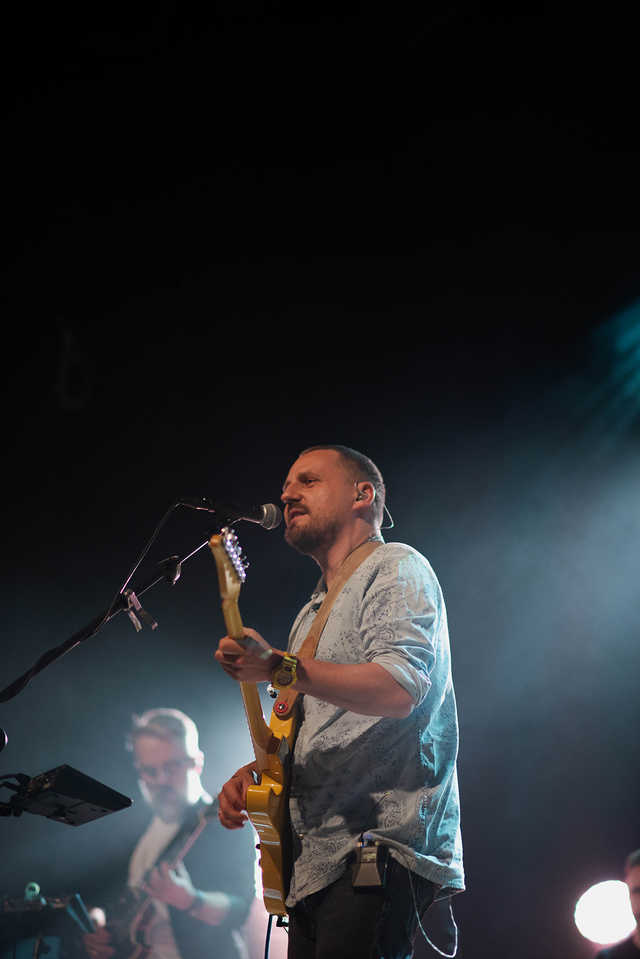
{"type": "Point", "coordinates": [283, 677]}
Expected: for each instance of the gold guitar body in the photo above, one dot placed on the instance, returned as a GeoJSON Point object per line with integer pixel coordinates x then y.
{"type": "Point", "coordinates": [268, 810]}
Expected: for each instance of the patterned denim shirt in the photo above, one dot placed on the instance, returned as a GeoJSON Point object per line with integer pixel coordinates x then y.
{"type": "Point", "coordinates": [394, 778]}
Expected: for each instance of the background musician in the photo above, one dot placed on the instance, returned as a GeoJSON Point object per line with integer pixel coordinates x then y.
{"type": "Point", "coordinates": [199, 903]}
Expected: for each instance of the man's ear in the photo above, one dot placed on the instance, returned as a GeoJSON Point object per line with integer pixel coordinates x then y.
{"type": "Point", "coordinates": [365, 493]}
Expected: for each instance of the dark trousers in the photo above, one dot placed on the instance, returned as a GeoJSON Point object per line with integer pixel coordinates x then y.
{"type": "Point", "coordinates": [343, 922]}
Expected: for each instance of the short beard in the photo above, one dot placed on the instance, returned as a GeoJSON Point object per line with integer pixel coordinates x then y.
{"type": "Point", "coordinates": [312, 539]}
{"type": "Point", "coordinates": [167, 804]}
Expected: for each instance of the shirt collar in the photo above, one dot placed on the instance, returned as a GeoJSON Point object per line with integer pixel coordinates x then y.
{"type": "Point", "coordinates": [320, 589]}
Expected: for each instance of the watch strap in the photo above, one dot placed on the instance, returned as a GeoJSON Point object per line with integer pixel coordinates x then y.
{"type": "Point", "coordinates": [287, 665]}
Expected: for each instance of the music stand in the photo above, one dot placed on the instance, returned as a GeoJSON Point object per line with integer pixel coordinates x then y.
{"type": "Point", "coordinates": [35, 927]}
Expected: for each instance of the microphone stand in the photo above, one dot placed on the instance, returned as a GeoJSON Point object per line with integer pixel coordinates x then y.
{"type": "Point", "coordinates": [171, 569]}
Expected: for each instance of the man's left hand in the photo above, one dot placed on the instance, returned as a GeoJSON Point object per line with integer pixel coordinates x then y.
{"type": "Point", "coordinates": [168, 886]}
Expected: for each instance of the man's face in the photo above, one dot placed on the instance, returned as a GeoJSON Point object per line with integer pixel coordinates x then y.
{"type": "Point", "coordinates": [318, 495]}
{"type": "Point", "coordinates": [632, 880]}
{"type": "Point", "coordinates": [164, 770]}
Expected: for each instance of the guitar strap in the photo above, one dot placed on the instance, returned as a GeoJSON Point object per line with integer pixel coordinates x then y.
{"type": "Point", "coordinates": [195, 819]}
{"type": "Point", "coordinates": [287, 697]}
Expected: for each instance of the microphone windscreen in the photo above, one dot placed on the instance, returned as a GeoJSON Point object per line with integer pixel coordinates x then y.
{"type": "Point", "coordinates": [272, 516]}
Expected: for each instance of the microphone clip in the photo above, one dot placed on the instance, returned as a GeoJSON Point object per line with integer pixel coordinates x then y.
{"type": "Point", "coordinates": [135, 611]}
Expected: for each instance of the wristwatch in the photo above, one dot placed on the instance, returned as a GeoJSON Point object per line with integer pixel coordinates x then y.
{"type": "Point", "coordinates": [285, 672]}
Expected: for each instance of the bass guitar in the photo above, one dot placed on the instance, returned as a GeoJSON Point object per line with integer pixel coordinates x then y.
{"type": "Point", "coordinates": [267, 801]}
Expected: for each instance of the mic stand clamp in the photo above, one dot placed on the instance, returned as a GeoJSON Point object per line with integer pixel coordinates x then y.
{"type": "Point", "coordinates": [172, 568]}
{"type": "Point", "coordinates": [135, 610]}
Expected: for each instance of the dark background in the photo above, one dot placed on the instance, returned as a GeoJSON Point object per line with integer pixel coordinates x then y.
{"type": "Point", "coordinates": [236, 230]}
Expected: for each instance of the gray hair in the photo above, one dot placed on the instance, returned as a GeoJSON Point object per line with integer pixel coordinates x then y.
{"type": "Point", "coordinates": [166, 724]}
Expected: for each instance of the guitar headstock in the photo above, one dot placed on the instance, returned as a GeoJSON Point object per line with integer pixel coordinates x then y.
{"type": "Point", "coordinates": [232, 565]}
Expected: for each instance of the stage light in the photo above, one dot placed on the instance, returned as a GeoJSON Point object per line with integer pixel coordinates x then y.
{"type": "Point", "coordinates": [603, 913]}
{"type": "Point", "coordinates": [615, 399]}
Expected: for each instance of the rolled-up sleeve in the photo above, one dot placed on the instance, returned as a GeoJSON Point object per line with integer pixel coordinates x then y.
{"type": "Point", "coordinates": [399, 624]}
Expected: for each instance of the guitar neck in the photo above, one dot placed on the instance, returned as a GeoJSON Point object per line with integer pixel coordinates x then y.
{"type": "Point", "coordinates": [185, 839]}
{"type": "Point", "coordinates": [261, 736]}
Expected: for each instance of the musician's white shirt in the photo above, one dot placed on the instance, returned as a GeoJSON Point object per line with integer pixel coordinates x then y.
{"type": "Point", "coordinates": [393, 778]}
{"type": "Point", "coordinates": [152, 842]}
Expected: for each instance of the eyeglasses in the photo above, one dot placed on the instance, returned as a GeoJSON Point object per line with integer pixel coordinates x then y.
{"type": "Point", "coordinates": [170, 768]}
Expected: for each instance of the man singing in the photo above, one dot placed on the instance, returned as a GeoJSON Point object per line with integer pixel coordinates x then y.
{"type": "Point", "coordinates": [376, 750]}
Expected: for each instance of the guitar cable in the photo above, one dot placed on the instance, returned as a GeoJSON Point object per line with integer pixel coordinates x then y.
{"type": "Point", "coordinates": [268, 937]}
{"type": "Point", "coordinates": [267, 943]}
{"type": "Point", "coordinates": [447, 955]}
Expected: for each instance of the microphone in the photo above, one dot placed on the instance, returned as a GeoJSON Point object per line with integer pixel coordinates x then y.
{"type": "Point", "coordinates": [269, 516]}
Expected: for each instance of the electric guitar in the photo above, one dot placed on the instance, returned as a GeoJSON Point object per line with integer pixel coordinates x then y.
{"type": "Point", "coordinates": [267, 802]}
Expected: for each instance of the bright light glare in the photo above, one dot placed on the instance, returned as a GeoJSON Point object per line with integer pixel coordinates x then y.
{"type": "Point", "coordinates": [603, 913]}
{"type": "Point", "coordinates": [99, 917]}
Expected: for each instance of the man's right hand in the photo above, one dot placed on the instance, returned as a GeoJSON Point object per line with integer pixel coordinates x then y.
{"type": "Point", "coordinates": [98, 944]}
{"type": "Point", "coordinates": [232, 798]}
